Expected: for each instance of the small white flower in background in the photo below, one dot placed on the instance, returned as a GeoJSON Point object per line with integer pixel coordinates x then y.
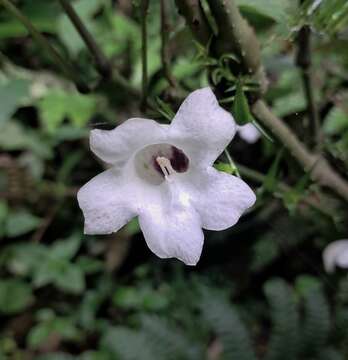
{"type": "Point", "coordinates": [164, 175]}
{"type": "Point", "coordinates": [249, 133]}
{"type": "Point", "coordinates": [336, 254]}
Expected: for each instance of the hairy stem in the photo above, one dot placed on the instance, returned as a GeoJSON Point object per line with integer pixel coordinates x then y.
{"type": "Point", "coordinates": [102, 63]}
{"type": "Point", "coordinates": [45, 44]}
{"type": "Point", "coordinates": [144, 13]}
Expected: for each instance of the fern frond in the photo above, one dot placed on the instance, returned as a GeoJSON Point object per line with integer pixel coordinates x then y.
{"type": "Point", "coordinates": [169, 341]}
{"type": "Point", "coordinates": [225, 322]}
{"type": "Point", "coordinates": [316, 323]}
{"type": "Point", "coordinates": [284, 342]}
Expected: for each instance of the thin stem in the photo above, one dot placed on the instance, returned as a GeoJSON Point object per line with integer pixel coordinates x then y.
{"type": "Point", "coordinates": [44, 43]}
{"type": "Point", "coordinates": [304, 62]}
{"type": "Point", "coordinates": [165, 55]}
{"type": "Point", "coordinates": [144, 13]}
{"type": "Point", "coordinates": [102, 63]}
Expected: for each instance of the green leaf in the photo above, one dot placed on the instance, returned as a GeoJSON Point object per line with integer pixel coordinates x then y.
{"type": "Point", "coordinates": [66, 249]}
{"type": "Point", "coordinates": [89, 265]}
{"type": "Point", "coordinates": [11, 96]}
{"type": "Point", "coordinates": [277, 10]}
{"type": "Point", "coordinates": [335, 121]}
{"type": "Point", "coordinates": [57, 105]}
{"type": "Point", "coordinates": [21, 222]}
{"type": "Point", "coordinates": [15, 296]}
{"type": "Point", "coordinates": [14, 136]}
{"type": "Point", "coordinates": [63, 327]}
{"type": "Point", "coordinates": [71, 279]}
{"type": "Point", "coordinates": [240, 110]}
{"type": "Point", "coordinates": [64, 275]}
{"type": "Point", "coordinates": [127, 298]}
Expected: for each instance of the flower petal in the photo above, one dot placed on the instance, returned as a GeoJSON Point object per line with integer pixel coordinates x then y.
{"type": "Point", "coordinates": [201, 127]}
{"type": "Point", "coordinates": [118, 145]}
{"type": "Point", "coordinates": [334, 254]}
{"type": "Point", "coordinates": [220, 198]}
{"type": "Point", "coordinates": [249, 133]}
{"type": "Point", "coordinates": [172, 228]}
{"type": "Point", "coordinates": [103, 201]}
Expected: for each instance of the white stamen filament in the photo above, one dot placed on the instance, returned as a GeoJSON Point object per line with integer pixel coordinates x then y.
{"type": "Point", "coordinates": [165, 166]}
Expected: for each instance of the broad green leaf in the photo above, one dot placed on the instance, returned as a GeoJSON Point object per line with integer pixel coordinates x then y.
{"type": "Point", "coordinates": [89, 265]}
{"type": "Point", "coordinates": [12, 94]}
{"type": "Point", "coordinates": [71, 279]}
{"type": "Point", "coordinates": [22, 258]}
{"type": "Point", "coordinates": [57, 105]}
{"type": "Point", "coordinates": [66, 249]}
{"type": "Point", "coordinates": [21, 222]}
{"type": "Point", "coordinates": [64, 327]}
{"type": "Point", "coordinates": [15, 296]}
{"type": "Point", "coordinates": [290, 104]}
{"type": "Point", "coordinates": [274, 9]}
{"type": "Point", "coordinates": [336, 121]}
{"type": "Point", "coordinates": [14, 136]}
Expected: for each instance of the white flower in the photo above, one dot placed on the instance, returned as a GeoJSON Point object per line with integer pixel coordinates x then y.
{"type": "Point", "coordinates": [163, 174]}
{"type": "Point", "coordinates": [336, 254]}
{"type": "Point", "coordinates": [249, 133]}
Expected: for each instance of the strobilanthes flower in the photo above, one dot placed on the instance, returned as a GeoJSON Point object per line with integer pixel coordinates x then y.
{"type": "Point", "coordinates": [164, 175]}
{"type": "Point", "coordinates": [336, 254]}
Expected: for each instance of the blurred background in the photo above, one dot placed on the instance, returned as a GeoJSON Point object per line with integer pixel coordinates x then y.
{"type": "Point", "coordinates": [260, 290]}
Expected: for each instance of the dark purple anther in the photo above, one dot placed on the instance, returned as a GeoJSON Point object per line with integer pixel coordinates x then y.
{"type": "Point", "coordinates": [179, 160]}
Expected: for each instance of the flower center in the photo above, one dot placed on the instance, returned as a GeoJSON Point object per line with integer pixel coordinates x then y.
{"type": "Point", "coordinates": [156, 163]}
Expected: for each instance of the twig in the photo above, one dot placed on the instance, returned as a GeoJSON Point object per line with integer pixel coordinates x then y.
{"type": "Point", "coordinates": [144, 13]}
{"type": "Point", "coordinates": [304, 62]}
{"type": "Point", "coordinates": [165, 30]}
{"type": "Point", "coordinates": [195, 19]}
{"type": "Point", "coordinates": [37, 36]}
{"type": "Point", "coordinates": [319, 168]}
{"type": "Point", "coordinates": [102, 63]}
